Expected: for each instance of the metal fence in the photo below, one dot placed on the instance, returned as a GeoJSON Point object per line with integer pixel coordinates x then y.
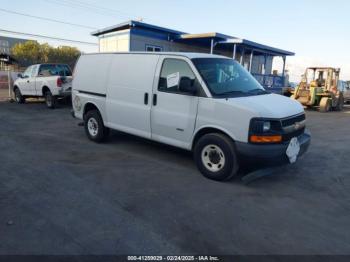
{"type": "Point", "coordinates": [7, 78]}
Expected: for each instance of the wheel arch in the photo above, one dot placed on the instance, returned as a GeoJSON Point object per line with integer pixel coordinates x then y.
{"type": "Point", "coordinates": [44, 89]}
{"type": "Point", "coordinates": [88, 106]}
{"type": "Point", "coordinates": [207, 130]}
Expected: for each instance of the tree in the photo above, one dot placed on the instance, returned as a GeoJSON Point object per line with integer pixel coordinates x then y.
{"type": "Point", "coordinates": [64, 54]}
{"type": "Point", "coordinates": [31, 52]}
{"type": "Point", "coordinates": [27, 53]}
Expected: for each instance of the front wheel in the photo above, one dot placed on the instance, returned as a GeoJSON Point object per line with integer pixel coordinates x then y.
{"type": "Point", "coordinates": [215, 156]}
{"type": "Point", "coordinates": [50, 100]}
{"type": "Point", "coordinates": [18, 96]}
{"type": "Point", "coordinates": [94, 127]}
{"type": "Point", "coordinates": [340, 103]}
{"type": "Point", "coordinates": [325, 104]}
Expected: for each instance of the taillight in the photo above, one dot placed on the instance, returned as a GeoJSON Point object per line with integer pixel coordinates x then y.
{"type": "Point", "coordinates": [59, 82]}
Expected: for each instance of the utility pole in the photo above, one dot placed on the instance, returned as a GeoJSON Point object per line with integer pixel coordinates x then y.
{"type": "Point", "coordinates": [9, 78]}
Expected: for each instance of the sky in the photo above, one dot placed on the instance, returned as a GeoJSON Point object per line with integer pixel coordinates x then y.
{"type": "Point", "coordinates": [317, 31]}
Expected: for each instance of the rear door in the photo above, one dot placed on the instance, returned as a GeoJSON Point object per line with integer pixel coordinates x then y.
{"type": "Point", "coordinates": [129, 90]}
{"type": "Point", "coordinates": [174, 113]}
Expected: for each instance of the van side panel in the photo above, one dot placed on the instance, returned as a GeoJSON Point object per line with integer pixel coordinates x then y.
{"type": "Point", "coordinates": [130, 79]}
{"type": "Point", "coordinates": [90, 83]}
{"type": "Point", "coordinates": [91, 73]}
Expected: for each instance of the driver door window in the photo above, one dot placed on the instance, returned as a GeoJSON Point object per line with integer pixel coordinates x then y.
{"type": "Point", "coordinates": [28, 72]}
{"type": "Point", "coordinates": [34, 70]}
{"type": "Point", "coordinates": [173, 72]}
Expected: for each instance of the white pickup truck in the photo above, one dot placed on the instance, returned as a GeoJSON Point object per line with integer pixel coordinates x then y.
{"type": "Point", "coordinates": [51, 81]}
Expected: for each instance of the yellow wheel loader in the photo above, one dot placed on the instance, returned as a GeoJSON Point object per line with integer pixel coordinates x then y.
{"type": "Point", "coordinates": [319, 88]}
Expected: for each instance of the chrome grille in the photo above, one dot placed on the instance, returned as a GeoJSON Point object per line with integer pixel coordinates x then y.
{"type": "Point", "coordinates": [293, 126]}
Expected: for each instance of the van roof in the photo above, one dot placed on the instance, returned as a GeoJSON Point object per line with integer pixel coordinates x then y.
{"type": "Point", "coordinates": [184, 54]}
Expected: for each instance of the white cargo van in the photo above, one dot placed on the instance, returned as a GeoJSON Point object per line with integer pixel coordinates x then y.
{"type": "Point", "coordinates": [205, 103]}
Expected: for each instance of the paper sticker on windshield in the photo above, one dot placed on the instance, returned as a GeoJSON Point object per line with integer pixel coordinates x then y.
{"type": "Point", "coordinates": [173, 79]}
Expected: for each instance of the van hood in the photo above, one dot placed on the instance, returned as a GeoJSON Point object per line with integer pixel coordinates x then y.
{"type": "Point", "coordinates": [269, 105]}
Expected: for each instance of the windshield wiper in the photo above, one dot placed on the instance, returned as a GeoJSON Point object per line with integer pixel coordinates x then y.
{"type": "Point", "coordinates": [258, 91]}
{"type": "Point", "coordinates": [231, 92]}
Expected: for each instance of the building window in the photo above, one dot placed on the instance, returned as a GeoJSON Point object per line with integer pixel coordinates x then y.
{"type": "Point", "coordinates": [4, 43]}
{"type": "Point", "coordinates": [154, 48]}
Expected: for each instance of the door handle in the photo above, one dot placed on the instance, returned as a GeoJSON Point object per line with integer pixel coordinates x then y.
{"type": "Point", "coordinates": [145, 99]}
{"type": "Point", "coordinates": [154, 99]}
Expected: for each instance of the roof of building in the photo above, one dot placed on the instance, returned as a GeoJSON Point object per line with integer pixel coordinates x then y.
{"type": "Point", "coordinates": [256, 45]}
{"type": "Point", "coordinates": [183, 37]}
{"type": "Point", "coordinates": [132, 23]}
{"type": "Point", "coordinates": [205, 35]}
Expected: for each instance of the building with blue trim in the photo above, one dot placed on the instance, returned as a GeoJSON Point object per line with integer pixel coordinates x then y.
{"type": "Point", "coordinates": [140, 36]}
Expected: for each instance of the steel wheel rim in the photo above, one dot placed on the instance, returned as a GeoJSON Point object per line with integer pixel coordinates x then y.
{"type": "Point", "coordinates": [213, 158]}
{"type": "Point", "coordinates": [92, 126]}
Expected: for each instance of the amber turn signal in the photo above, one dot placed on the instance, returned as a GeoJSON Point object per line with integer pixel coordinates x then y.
{"type": "Point", "coordinates": [265, 139]}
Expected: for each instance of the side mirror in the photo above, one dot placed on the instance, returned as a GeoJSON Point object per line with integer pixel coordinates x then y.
{"type": "Point", "coordinates": [186, 85]}
{"type": "Point", "coordinates": [20, 75]}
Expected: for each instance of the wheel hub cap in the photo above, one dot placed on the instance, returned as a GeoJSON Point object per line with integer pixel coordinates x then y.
{"type": "Point", "coordinates": [213, 158]}
{"type": "Point", "coordinates": [93, 126]}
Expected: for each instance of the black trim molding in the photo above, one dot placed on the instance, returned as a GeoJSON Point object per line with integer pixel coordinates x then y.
{"type": "Point", "coordinates": [92, 93]}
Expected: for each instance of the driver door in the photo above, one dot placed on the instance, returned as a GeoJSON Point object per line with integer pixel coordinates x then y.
{"type": "Point", "coordinates": [24, 82]}
{"type": "Point", "coordinates": [173, 112]}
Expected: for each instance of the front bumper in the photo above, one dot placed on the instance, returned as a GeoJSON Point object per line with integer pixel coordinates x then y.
{"type": "Point", "coordinates": [273, 153]}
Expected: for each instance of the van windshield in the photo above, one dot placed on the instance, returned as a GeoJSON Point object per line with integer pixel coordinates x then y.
{"type": "Point", "coordinates": [227, 78]}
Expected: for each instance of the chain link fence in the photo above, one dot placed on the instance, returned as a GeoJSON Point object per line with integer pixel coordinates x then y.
{"type": "Point", "coordinates": [7, 78]}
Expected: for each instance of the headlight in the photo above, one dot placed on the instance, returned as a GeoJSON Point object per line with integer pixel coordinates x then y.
{"type": "Point", "coordinates": [266, 126]}
{"type": "Point", "coordinates": [265, 131]}
{"type": "Point", "coordinates": [260, 126]}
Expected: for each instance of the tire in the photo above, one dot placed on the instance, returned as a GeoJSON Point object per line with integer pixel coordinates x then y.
{"type": "Point", "coordinates": [325, 104]}
{"type": "Point", "coordinates": [94, 127]}
{"type": "Point", "coordinates": [340, 104]}
{"type": "Point", "coordinates": [50, 100]}
{"type": "Point", "coordinates": [215, 157]}
{"type": "Point", "coordinates": [18, 96]}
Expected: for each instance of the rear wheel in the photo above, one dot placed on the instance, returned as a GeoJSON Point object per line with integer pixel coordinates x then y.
{"type": "Point", "coordinates": [215, 156]}
{"type": "Point", "coordinates": [340, 103]}
{"type": "Point", "coordinates": [325, 104]}
{"type": "Point", "coordinates": [50, 100]}
{"type": "Point", "coordinates": [18, 96]}
{"type": "Point", "coordinates": [94, 127]}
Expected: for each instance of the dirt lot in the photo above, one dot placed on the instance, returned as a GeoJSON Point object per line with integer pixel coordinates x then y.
{"type": "Point", "coordinates": [62, 194]}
